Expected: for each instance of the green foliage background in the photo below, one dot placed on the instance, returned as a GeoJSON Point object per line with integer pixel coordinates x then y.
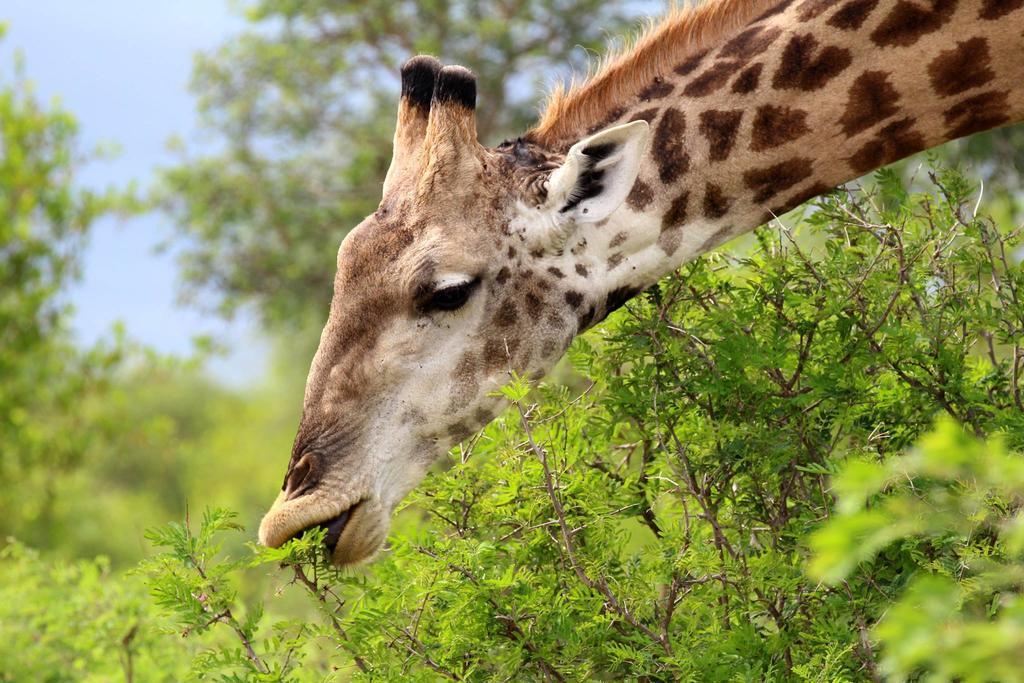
{"type": "Point", "coordinates": [797, 459]}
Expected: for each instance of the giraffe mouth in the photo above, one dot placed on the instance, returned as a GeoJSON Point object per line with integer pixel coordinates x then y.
{"type": "Point", "coordinates": [354, 534]}
{"type": "Point", "coordinates": [334, 529]}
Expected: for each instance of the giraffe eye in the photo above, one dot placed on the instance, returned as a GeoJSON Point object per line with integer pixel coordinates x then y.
{"type": "Point", "coordinates": [451, 297]}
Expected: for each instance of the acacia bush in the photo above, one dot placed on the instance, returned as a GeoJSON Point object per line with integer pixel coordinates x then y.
{"type": "Point", "coordinates": [798, 459]}
{"type": "Point", "coordinates": [79, 620]}
{"type": "Point", "coordinates": [673, 514]}
{"type": "Point", "coordinates": [963, 617]}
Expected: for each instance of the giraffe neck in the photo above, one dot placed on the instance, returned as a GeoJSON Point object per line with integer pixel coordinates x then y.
{"type": "Point", "coordinates": [797, 100]}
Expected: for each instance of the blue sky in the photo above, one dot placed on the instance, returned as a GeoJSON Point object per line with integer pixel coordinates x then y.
{"type": "Point", "coordinates": [122, 68]}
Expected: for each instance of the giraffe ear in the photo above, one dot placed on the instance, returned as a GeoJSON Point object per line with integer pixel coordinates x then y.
{"type": "Point", "coordinates": [598, 174]}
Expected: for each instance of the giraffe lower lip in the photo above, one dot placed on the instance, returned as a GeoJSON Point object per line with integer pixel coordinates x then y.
{"type": "Point", "coordinates": [334, 528]}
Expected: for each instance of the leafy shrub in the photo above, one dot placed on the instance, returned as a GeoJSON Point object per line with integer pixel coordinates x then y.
{"type": "Point", "coordinates": [654, 524]}
{"type": "Point", "coordinates": [63, 621]}
{"type": "Point", "coordinates": [955, 502]}
{"type": "Point", "coordinates": [195, 587]}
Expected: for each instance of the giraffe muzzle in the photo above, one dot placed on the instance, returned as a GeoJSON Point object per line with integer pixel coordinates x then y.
{"type": "Point", "coordinates": [354, 531]}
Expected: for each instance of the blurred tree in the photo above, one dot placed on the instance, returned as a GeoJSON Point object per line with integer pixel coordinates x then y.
{"type": "Point", "coordinates": [146, 431]}
{"type": "Point", "coordinates": [998, 156]}
{"type": "Point", "coordinates": [44, 220]}
{"type": "Point", "coordinates": [77, 621]}
{"type": "Point", "coordinates": [304, 105]}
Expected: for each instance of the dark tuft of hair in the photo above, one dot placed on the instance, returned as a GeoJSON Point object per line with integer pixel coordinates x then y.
{"type": "Point", "coordinates": [418, 77]}
{"type": "Point", "coordinates": [456, 84]}
{"type": "Point", "coordinates": [589, 184]}
{"type": "Point", "coordinates": [599, 151]}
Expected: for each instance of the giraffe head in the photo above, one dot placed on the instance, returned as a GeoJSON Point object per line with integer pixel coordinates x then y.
{"type": "Point", "coordinates": [475, 264]}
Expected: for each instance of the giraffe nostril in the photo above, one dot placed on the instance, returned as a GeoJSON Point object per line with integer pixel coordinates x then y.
{"type": "Point", "coordinates": [301, 478]}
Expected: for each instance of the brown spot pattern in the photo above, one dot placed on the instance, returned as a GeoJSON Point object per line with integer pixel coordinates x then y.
{"type": "Point", "coordinates": [656, 90]}
{"type": "Point", "coordinates": [676, 213]}
{"type": "Point", "coordinates": [719, 127]}
{"type": "Point", "coordinates": [811, 9]}
{"type": "Point", "coordinates": [961, 68]}
{"type": "Point", "coordinates": [853, 14]}
{"type": "Point", "coordinates": [907, 22]}
{"type": "Point", "coordinates": [586, 318]}
{"type": "Point", "coordinates": [647, 115]}
{"type": "Point", "coordinates": [894, 141]}
{"type": "Point", "coordinates": [872, 99]}
{"type": "Point", "coordinates": [506, 315]}
{"type": "Point", "coordinates": [996, 9]}
{"type": "Point", "coordinates": [459, 432]}
{"type": "Point", "coordinates": [614, 115]}
{"type": "Point", "coordinates": [581, 270]}
{"type": "Point", "coordinates": [712, 79]}
{"type": "Point", "coordinates": [690, 64]}
{"type": "Point", "coordinates": [496, 354]}
{"type": "Point", "coordinates": [619, 239]}
{"type": "Point", "coordinates": [775, 126]}
{"type": "Point", "coordinates": [747, 81]}
{"type": "Point", "coordinates": [464, 383]}
{"type": "Point", "coordinates": [716, 204]}
{"type": "Point", "coordinates": [669, 241]}
{"type": "Point", "coordinates": [805, 67]}
{"type": "Point", "coordinates": [981, 112]}
{"type": "Point", "coordinates": [574, 298]}
{"type": "Point", "coordinates": [667, 149]}
{"type": "Point", "coordinates": [768, 181]}
{"type": "Point", "coordinates": [750, 43]}
{"type": "Point", "coordinates": [618, 297]}
{"type": "Point", "coordinates": [672, 223]}
{"type": "Point", "coordinates": [534, 306]}
{"type": "Point", "coordinates": [777, 9]}
{"type": "Point", "coordinates": [557, 272]}
{"type": "Point", "coordinates": [641, 196]}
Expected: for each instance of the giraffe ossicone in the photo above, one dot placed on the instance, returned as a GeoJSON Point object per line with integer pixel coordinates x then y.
{"type": "Point", "coordinates": [482, 260]}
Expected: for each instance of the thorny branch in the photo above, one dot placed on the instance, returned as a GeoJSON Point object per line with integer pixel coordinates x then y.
{"type": "Point", "coordinates": [599, 584]}
{"type": "Point", "coordinates": [225, 617]}
{"type": "Point", "coordinates": [321, 595]}
{"type": "Point", "coordinates": [512, 629]}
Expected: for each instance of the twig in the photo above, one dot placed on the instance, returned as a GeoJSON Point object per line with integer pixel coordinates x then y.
{"type": "Point", "coordinates": [600, 584]}
{"type": "Point", "coordinates": [126, 643]}
{"type": "Point", "coordinates": [300, 576]}
{"type": "Point", "coordinates": [227, 618]}
{"type": "Point", "coordinates": [512, 629]}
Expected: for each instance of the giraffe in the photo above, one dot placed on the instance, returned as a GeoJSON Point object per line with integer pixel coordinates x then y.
{"type": "Point", "coordinates": [481, 260]}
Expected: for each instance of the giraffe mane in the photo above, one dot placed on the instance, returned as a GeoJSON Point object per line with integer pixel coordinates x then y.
{"type": "Point", "coordinates": [574, 109]}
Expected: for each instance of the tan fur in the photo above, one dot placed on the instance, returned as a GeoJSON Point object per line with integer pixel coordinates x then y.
{"type": "Point", "coordinates": [408, 142]}
{"type": "Point", "coordinates": [572, 111]}
{"type": "Point", "coordinates": [811, 95]}
{"type": "Point", "coordinates": [450, 150]}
